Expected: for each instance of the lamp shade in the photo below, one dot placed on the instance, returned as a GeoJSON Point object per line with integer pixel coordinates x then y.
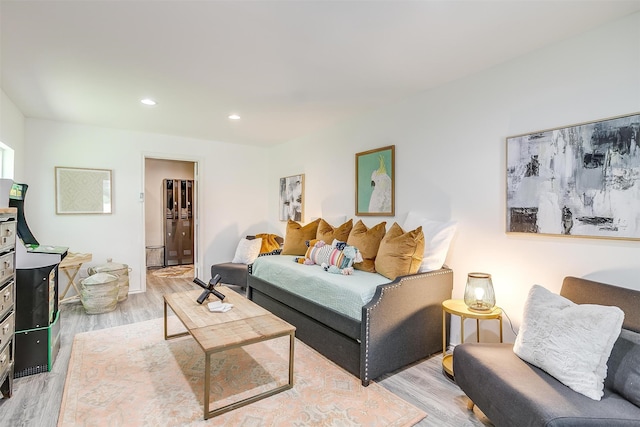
{"type": "Point", "coordinates": [478, 293]}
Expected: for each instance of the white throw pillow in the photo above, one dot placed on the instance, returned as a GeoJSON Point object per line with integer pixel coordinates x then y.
{"type": "Point", "coordinates": [572, 342]}
{"type": "Point", "coordinates": [437, 238]}
{"type": "Point", "coordinates": [247, 251]}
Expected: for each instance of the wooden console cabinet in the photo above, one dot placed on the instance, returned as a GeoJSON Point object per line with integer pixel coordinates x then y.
{"type": "Point", "coordinates": [7, 298]}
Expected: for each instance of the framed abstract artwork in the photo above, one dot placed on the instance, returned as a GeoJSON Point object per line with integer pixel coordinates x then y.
{"type": "Point", "coordinates": [375, 182]}
{"type": "Point", "coordinates": [291, 203]}
{"type": "Point", "coordinates": [83, 191]}
{"type": "Point", "coordinates": [581, 180]}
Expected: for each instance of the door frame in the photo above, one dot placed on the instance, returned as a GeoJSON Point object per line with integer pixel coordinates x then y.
{"type": "Point", "coordinates": [198, 253]}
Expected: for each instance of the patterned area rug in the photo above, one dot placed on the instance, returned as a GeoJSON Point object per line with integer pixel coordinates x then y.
{"type": "Point", "coordinates": [130, 376]}
{"type": "Point", "coordinates": [175, 272]}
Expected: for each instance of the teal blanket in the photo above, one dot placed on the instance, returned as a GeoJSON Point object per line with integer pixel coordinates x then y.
{"type": "Point", "coordinates": [344, 294]}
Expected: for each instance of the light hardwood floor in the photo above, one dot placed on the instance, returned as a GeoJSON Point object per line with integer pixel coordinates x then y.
{"type": "Point", "coordinates": [36, 399]}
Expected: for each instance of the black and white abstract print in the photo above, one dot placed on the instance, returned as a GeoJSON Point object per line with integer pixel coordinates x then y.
{"type": "Point", "coordinates": [292, 198]}
{"type": "Point", "coordinates": [582, 180]}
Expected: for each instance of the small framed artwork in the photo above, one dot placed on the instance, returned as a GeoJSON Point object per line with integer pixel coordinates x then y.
{"type": "Point", "coordinates": [375, 182]}
{"type": "Point", "coordinates": [292, 198]}
{"type": "Point", "coordinates": [581, 180]}
{"type": "Point", "coordinates": [83, 191]}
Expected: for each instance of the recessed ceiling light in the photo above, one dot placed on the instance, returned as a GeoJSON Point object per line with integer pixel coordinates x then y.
{"type": "Point", "coordinates": [234, 117]}
{"type": "Point", "coordinates": [148, 101]}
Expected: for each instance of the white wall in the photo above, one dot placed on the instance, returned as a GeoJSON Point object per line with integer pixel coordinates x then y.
{"type": "Point", "coordinates": [231, 187]}
{"type": "Point", "coordinates": [450, 161]}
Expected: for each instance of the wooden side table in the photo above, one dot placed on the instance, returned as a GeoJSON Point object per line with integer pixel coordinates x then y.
{"type": "Point", "coordinates": [459, 308]}
{"type": "Point", "coordinates": [71, 266]}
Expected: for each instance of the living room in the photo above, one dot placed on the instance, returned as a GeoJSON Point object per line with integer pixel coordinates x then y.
{"type": "Point", "coordinates": [450, 165]}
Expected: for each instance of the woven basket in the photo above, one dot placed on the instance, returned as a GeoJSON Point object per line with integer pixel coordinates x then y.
{"type": "Point", "coordinates": [99, 293]}
{"type": "Point", "coordinates": [119, 270]}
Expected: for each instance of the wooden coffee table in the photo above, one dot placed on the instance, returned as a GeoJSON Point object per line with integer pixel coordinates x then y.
{"type": "Point", "coordinates": [246, 323]}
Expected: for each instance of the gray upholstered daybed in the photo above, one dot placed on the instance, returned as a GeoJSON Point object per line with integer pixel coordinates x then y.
{"type": "Point", "coordinates": [399, 323]}
{"type": "Point", "coordinates": [512, 392]}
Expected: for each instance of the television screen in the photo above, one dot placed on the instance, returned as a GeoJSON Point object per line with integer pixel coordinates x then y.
{"type": "Point", "coordinates": [17, 191]}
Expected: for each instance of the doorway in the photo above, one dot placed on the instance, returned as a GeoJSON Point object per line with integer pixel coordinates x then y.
{"type": "Point", "coordinates": [157, 173]}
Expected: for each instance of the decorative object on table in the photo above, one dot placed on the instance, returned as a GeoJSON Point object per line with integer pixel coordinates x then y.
{"type": "Point", "coordinates": [121, 271]}
{"type": "Point", "coordinates": [83, 191]}
{"type": "Point", "coordinates": [292, 198]}
{"type": "Point", "coordinates": [165, 379]}
{"type": "Point", "coordinates": [209, 288]}
{"type": "Point", "coordinates": [581, 180]}
{"type": "Point", "coordinates": [478, 292]}
{"type": "Point", "coordinates": [219, 306]}
{"type": "Point", "coordinates": [99, 293]}
{"type": "Point", "coordinates": [375, 182]}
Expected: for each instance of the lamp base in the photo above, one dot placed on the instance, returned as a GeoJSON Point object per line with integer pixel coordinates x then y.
{"type": "Point", "coordinates": [480, 308]}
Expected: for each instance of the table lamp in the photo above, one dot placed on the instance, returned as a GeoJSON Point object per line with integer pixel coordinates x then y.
{"type": "Point", "coordinates": [478, 293]}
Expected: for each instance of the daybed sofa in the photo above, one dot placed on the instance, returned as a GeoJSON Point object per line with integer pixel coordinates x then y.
{"type": "Point", "coordinates": [512, 392]}
{"type": "Point", "coordinates": [381, 310]}
{"type": "Point", "coordinates": [402, 323]}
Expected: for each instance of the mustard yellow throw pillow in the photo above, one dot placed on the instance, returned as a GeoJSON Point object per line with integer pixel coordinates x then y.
{"type": "Point", "coordinates": [367, 240]}
{"type": "Point", "coordinates": [400, 253]}
{"type": "Point", "coordinates": [297, 235]}
{"type": "Point", "coordinates": [327, 232]}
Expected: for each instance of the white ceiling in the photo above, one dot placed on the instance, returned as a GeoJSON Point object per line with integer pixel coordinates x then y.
{"type": "Point", "coordinates": [288, 68]}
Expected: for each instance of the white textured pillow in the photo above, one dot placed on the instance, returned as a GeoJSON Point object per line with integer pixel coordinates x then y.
{"type": "Point", "coordinates": [572, 342]}
{"type": "Point", "coordinates": [437, 238]}
{"type": "Point", "coordinates": [247, 251]}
